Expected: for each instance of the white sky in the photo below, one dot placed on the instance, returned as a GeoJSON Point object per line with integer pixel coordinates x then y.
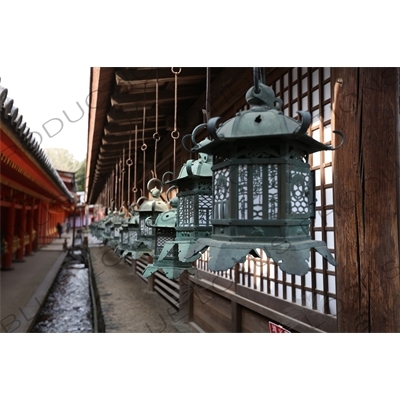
{"type": "Point", "coordinates": [43, 94]}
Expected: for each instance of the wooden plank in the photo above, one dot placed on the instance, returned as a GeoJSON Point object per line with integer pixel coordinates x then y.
{"type": "Point", "coordinates": [236, 316]}
{"type": "Point", "coordinates": [253, 322]}
{"type": "Point", "coordinates": [296, 314]}
{"type": "Point", "coordinates": [166, 288]}
{"type": "Point", "coordinates": [366, 109]}
{"type": "Point", "coordinates": [299, 319]}
{"type": "Point", "coordinates": [211, 312]}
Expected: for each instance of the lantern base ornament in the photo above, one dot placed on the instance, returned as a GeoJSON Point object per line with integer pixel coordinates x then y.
{"type": "Point", "coordinates": [291, 256]}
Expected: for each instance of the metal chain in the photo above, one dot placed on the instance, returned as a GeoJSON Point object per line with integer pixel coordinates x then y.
{"type": "Point", "coordinates": [123, 175]}
{"type": "Point", "coordinates": [129, 164]}
{"type": "Point", "coordinates": [175, 134]}
{"type": "Point", "coordinates": [156, 136]}
{"type": "Point", "coordinates": [120, 182]}
{"type": "Point", "coordinates": [134, 189]}
{"type": "Point", "coordinates": [144, 145]}
{"type": "Point", "coordinates": [208, 112]}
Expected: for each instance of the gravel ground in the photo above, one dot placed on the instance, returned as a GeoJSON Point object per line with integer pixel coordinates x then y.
{"type": "Point", "coordinates": [127, 305]}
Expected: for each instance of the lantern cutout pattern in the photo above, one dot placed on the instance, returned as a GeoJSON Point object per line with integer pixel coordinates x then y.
{"type": "Point", "coordinates": [195, 204]}
{"type": "Point", "coordinates": [263, 189]}
{"type": "Point", "coordinates": [145, 242]}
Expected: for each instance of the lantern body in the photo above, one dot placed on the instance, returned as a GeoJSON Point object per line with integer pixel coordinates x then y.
{"type": "Point", "coordinates": [123, 237]}
{"type": "Point", "coordinates": [262, 197]}
{"type": "Point", "coordinates": [115, 227]}
{"type": "Point", "coordinates": [166, 258]}
{"type": "Point", "coordinates": [145, 241]}
{"type": "Point", "coordinates": [263, 189]}
{"type": "Point", "coordinates": [108, 224]}
{"type": "Point", "coordinates": [194, 211]}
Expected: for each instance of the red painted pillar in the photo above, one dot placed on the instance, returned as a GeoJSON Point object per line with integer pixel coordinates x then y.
{"type": "Point", "coordinates": [7, 258]}
{"type": "Point", "coordinates": [36, 214]}
{"type": "Point", "coordinates": [21, 233]}
{"type": "Point", "coordinates": [30, 214]}
{"type": "Point", "coordinates": [47, 221]}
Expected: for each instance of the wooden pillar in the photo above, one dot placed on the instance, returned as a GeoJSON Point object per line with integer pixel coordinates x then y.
{"type": "Point", "coordinates": [30, 222]}
{"type": "Point", "coordinates": [21, 233]}
{"type": "Point", "coordinates": [366, 190]}
{"type": "Point", "coordinates": [36, 227]}
{"type": "Point", "coordinates": [9, 236]}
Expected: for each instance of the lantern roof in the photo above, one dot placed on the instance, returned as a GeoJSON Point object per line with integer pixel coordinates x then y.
{"type": "Point", "coordinates": [194, 169]}
{"type": "Point", "coordinates": [155, 204]}
{"type": "Point", "coordinates": [263, 120]}
{"type": "Point", "coordinates": [167, 219]}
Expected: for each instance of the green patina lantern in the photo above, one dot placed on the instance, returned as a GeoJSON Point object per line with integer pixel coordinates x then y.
{"type": "Point", "coordinates": [145, 242]}
{"type": "Point", "coordinates": [129, 231]}
{"type": "Point", "coordinates": [193, 214]}
{"type": "Point", "coordinates": [263, 189]}
{"type": "Point", "coordinates": [166, 258]}
{"type": "Point", "coordinates": [108, 224]}
{"type": "Point", "coordinates": [94, 226]}
{"type": "Point", "coordinates": [99, 232]}
{"type": "Point", "coordinates": [115, 228]}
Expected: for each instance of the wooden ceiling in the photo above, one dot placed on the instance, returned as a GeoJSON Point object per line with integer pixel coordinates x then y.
{"type": "Point", "coordinates": [124, 99]}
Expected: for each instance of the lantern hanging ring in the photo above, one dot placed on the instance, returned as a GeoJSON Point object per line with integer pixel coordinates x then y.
{"type": "Point", "coordinates": [144, 147]}
{"type": "Point", "coordinates": [156, 136]}
{"type": "Point", "coordinates": [140, 200]}
{"type": "Point", "coordinates": [157, 181]}
{"type": "Point", "coordinates": [129, 162]}
{"type": "Point", "coordinates": [195, 130]}
{"type": "Point", "coordinates": [176, 72]}
{"type": "Point", "coordinates": [164, 175]}
{"type": "Point", "coordinates": [169, 189]}
{"type": "Point", "coordinates": [183, 143]}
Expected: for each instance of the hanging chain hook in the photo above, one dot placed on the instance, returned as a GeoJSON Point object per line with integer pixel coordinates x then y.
{"type": "Point", "coordinates": [175, 134]}
{"type": "Point", "coordinates": [156, 136]}
{"type": "Point", "coordinates": [259, 77]}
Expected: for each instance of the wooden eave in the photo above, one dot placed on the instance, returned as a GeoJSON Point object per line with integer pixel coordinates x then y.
{"type": "Point", "coordinates": [123, 101]}
{"type": "Point", "coordinates": [21, 171]}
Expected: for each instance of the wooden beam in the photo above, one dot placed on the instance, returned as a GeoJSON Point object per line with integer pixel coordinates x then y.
{"type": "Point", "coordinates": [134, 117]}
{"type": "Point", "coordinates": [366, 190]}
{"type": "Point", "coordinates": [163, 97]}
{"type": "Point", "coordinates": [140, 77]}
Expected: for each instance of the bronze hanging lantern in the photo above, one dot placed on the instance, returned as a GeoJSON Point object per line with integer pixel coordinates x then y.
{"type": "Point", "coordinates": [263, 189]}
{"type": "Point", "coordinates": [145, 242]}
{"type": "Point", "coordinates": [166, 258]}
{"type": "Point", "coordinates": [194, 211]}
{"type": "Point", "coordinates": [115, 228]}
{"type": "Point", "coordinates": [130, 231]}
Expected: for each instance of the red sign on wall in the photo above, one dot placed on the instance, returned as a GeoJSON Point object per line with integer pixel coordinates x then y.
{"type": "Point", "coordinates": [274, 328]}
